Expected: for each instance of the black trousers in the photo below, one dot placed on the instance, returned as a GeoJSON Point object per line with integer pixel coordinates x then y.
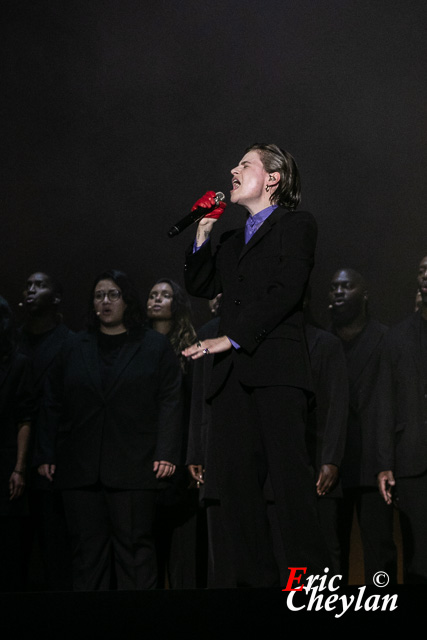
{"type": "Point", "coordinates": [111, 530]}
{"type": "Point", "coordinates": [412, 501]}
{"type": "Point", "coordinates": [327, 508]}
{"type": "Point", "coordinates": [48, 520]}
{"type": "Point", "coordinates": [12, 556]}
{"type": "Point", "coordinates": [176, 540]}
{"type": "Point", "coordinates": [375, 520]}
{"type": "Point", "coordinates": [259, 432]}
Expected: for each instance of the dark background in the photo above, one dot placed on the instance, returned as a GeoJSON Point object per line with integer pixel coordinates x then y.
{"type": "Point", "coordinates": [118, 114]}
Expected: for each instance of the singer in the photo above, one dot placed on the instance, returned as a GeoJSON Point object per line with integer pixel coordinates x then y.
{"type": "Point", "coordinates": [261, 375]}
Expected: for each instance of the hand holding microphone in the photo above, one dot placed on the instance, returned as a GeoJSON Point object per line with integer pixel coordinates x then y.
{"type": "Point", "coordinates": [209, 200]}
{"type": "Point", "coordinates": [206, 222]}
{"type": "Point", "coordinates": [210, 206]}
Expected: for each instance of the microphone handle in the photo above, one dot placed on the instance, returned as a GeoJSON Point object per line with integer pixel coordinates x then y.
{"type": "Point", "coordinates": [185, 222]}
{"type": "Point", "coordinates": [194, 216]}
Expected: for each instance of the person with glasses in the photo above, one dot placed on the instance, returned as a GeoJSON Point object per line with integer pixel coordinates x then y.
{"type": "Point", "coordinates": [112, 417]}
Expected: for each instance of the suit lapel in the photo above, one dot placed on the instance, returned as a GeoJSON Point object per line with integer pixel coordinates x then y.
{"type": "Point", "coordinates": [367, 343]}
{"type": "Point", "coordinates": [414, 339]}
{"type": "Point", "coordinates": [238, 241]}
{"type": "Point", "coordinates": [260, 233]}
{"type": "Point", "coordinates": [91, 358]}
{"type": "Point", "coordinates": [89, 347]}
{"type": "Point", "coordinates": [312, 337]}
{"type": "Point", "coordinates": [50, 347]}
{"type": "Point", "coordinates": [4, 370]}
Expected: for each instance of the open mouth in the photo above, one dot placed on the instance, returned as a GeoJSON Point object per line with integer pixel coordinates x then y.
{"type": "Point", "coordinates": [235, 183]}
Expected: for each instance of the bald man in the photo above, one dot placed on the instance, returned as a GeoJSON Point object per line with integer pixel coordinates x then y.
{"type": "Point", "coordinates": [362, 339]}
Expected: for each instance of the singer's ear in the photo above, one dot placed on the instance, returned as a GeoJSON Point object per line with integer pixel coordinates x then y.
{"type": "Point", "coordinates": [273, 178]}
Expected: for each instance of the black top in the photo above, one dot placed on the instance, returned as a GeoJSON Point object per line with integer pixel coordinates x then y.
{"type": "Point", "coordinates": [109, 347]}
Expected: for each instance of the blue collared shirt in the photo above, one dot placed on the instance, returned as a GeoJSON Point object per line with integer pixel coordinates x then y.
{"type": "Point", "coordinates": [253, 223]}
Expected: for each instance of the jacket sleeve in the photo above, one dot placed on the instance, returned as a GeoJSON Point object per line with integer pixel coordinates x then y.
{"type": "Point", "coordinates": [334, 375]}
{"type": "Point", "coordinates": [50, 413]}
{"type": "Point", "coordinates": [385, 434]}
{"type": "Point", "coordinates": [25, 402]}
{"type": "Point", "coordinates": [169, 436]}
{"type": "Point", "coordinates": [201, 273]}
{"type": "Point", "coordinates": [198, 413]}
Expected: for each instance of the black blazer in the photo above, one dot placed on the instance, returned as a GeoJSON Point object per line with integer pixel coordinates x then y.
{"type": "Point", "coordinates": [327, 422]}
{"type": "Point", "coordinates": [363, 364]}
{"type": "Point", "coordinates": [43, 355]}
{"type": "Point", "coordinates": [263, 285]}
{"type": "Point", "coordinates": [111, 435]}
{"type": "Point", "coordinates": [402, 424]}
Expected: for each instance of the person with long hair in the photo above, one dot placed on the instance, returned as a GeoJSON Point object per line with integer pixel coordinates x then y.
{"type": "Point", "coordinates": [16, 409]}
{"type": "Point", "coordinates": [113, 417]}
{"type": "Point", "coordinates": [169, 313]}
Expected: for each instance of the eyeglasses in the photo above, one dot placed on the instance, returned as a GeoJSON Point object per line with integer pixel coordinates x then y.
{"type": "Point", "coordinates": [113, 295]}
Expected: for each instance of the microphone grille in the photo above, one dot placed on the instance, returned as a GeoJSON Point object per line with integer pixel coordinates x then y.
{"type": "Point", "coordinates": [219, 197]}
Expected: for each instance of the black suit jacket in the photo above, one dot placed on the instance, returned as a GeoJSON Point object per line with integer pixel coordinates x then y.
{"type": "Point", "coordinates": [363, 364]}
{"type": "Point", "coordinates": [402, 425]}
{"type": "Point", "coordinates": [41, 353]}
{"type": "Point", "coordinates": [327, 422]}
{"type": "Point", "coordinates": [263, 285]}
{"type": "Point", "coordinates": [112, 435]}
